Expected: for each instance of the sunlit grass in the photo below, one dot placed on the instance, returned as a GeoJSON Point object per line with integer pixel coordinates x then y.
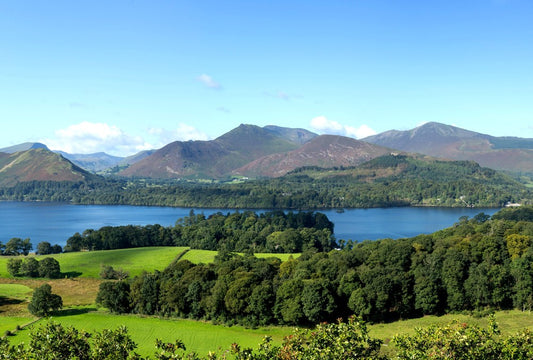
{"type": "Point", "coordinates": [200, 337]}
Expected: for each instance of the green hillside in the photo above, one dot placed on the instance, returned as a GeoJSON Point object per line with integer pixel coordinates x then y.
{"type": "Point", "coordinates": [390, 180]}
{"type": "Point", "coordinates": [38, 165]}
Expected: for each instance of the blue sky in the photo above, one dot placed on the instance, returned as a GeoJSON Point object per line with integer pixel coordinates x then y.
{"type": "Point", "coordinates": [126, 75]}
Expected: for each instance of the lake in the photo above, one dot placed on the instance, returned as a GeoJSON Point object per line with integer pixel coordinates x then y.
{"type": "Point", "coordinates": [56, 222]}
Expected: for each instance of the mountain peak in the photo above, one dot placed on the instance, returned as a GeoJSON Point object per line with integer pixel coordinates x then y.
{"type": "Point", "coordinates": [447, 141]}
{"type": "Point", "coordinates": [23, 147]}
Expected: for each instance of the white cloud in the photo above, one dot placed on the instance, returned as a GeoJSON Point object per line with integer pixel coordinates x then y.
{"type": "Point", "coordinates": [209, 82]}
{"type": "Point", "coordinates": [183, 132]}
{"type": "Point", "coordinates": [326, 126]}
{"type": "Point", "coordinates": [87, 138]}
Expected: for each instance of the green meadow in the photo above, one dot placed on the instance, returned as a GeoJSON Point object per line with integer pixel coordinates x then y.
{"type": "Point", "coordinates": [208, 256]}
{"type": "Point", "coordinates": [135, 261]}
{"type": "Point", "coordinates": [88, 263]}
{"type": "Point", "coordinates": [200, 337]}
{"type": "Point", "coordinates": [15, 291]}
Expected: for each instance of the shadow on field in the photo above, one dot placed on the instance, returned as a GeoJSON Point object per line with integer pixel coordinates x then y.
{"type": "Point", "coordinates": [9, 301]}
{"type": "Point", "coordinates": [71, 312]}
{"type": "Point", "coordinates": [70, 274]}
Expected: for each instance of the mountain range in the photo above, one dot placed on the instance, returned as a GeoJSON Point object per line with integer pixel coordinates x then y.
{"type": "Point", "coordinates": [265, 152]}
{"type": "Point", "coordinates": [444, 141]}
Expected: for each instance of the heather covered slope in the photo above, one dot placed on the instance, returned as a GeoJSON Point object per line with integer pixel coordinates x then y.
{"type": "Point", "coordinates": [214, 158]}
{"type": "Point", "coordinates": [38, 164]}
{"type": "Point", "coordinates": [325, 151]}
{"type": "Point", "coordinates": [445, 141]}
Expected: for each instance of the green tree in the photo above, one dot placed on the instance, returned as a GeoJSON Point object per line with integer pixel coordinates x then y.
{"type": "Point", "coordinates": [317, 301]}
{"type": "Point", "coordinates": [43, 302]}
{"type": "Point", "coordinates": [14, 267]}
{"type": "Point", "coordinates": [26, 246]}
{"type": "Point", "coordinates": [517, 244]}
{"type": "Point", "coordinates": [114, 295]}
{"type": "Point", "coordinates": [30, 267]}
{"type": "Point", "coordinates": [44, 248]}
{"type": "Point", "coordinates": [49, 268]}
{"type": "Point", "coordinates": [13, 247]}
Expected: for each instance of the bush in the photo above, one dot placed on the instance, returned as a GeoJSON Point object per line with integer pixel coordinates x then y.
{"type": "Point", "coordinates": [49, 268]}
{"type": "Point", "coordinates": [43, 302]}
{"type": "Point", "coordinates": [114, 295]}
{"type": "Point", "coordinates": [109, 273]}
{"type": "Point", "coordinates": [464, 341]}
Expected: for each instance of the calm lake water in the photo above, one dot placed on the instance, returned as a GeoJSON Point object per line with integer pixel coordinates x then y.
{"type": "Point", "coordinates": [56, 222]}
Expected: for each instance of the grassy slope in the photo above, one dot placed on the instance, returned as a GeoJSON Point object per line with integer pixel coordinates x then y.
{"type": "Point", "coordinates": [15, 291]}
{"type": "Point", "coordinates": [87, 264]}
{"type": "Point", "coordinates": [202, 337]}
{"type": "Point", "coordinates": [208, 256]}
{"type": "Point", "coordinates": [198, 336]}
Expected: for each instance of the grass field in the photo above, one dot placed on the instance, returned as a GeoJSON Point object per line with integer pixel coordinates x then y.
{"type": "Point", "coordinates": [208, 256]}
{"type": "Point", "coordinates": [10, 323]}
{"type": "Point", "coordinates": [203, 337]}
{"type": "Point", "coordinates": [198, 336]}
{"type": "Point", "coordinates": [15, 291]}
{"type": "Point", "coordinates": [88, 263]}
{"type": "Point", "coordinates": [135, 261]}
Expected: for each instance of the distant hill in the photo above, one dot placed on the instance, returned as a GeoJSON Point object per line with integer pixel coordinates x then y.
{"type": "Point", "coordinates": [38, 164]}
{"type": "Point", "coordinates": [445, 141]}
{"type": "Point", "coordinates": [300, 136]}
{"type": "Point", "coordinates": [23, 147]}
{"type": "Point", "coordinates": [93, 162]}
{"type": "Point", "coordinates": [132, 159]}
{"type": "Point", "coordinates": [326, 151]}
{"type": "Point", "coordinates": [214, 158]}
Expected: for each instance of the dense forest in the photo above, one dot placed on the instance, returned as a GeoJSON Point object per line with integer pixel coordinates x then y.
{"type": "Point", "coordinates": [383, 182]}
{"type": "Point", "coordinates": [275, 232]}
{"type": "Point", "coordinates": [479, 264]}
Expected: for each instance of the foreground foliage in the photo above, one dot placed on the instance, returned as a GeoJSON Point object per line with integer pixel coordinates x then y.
{"type": "Point", "coordinates": [336, 341]}
{"type": "Point", "coordinates": [464, 341]}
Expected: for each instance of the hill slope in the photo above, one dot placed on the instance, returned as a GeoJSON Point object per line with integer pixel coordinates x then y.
{"type": "Point", "coordinates": [23, 147]}
{"type": "Point", "coordinates": [215, 158]}
{"type": "Point", "coordinates": [38, 164]}
{"type": "Point", "coordinates": [445, 141]}
{"type": "Point", "coordinates": [326, 151]}
{"type": "Point", "coordinates": [300, 136]}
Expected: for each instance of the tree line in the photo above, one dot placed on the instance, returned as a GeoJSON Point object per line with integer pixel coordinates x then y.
{"type": "Point", "coordinates": [478, 265]}
{"type": "Point", "coordinates": [383, 182]}
{"type": "Point", "coordinates": [16, 247]}
{"type": "Point", "coordinates": [31, 267]}
{"type": "Point", "coordinates": [276, 232]}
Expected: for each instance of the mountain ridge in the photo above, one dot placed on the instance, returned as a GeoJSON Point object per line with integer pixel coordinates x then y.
{"type": "Point", "coordinates": [38, 164]}
{"type": "Point", "coordinates": [324, 151]}
{"type": "Point", "coordinates": [446, 141]}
